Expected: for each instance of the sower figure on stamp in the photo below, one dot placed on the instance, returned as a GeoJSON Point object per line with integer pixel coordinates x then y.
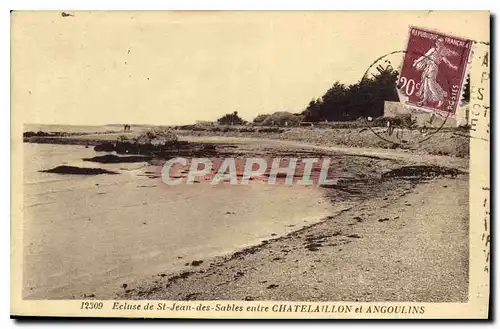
{"type": "Point", "coordinates": [430, 90]}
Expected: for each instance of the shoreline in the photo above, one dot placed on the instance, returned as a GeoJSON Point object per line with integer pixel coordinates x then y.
{"type": "Point", "coordinates": [413, 156]}
{"type": "Point", "coordinates": [294, 260]}
{"type": "Point", "coordinates": [172, 285]}
{"type": "Point", "coordinates": [445, 142]}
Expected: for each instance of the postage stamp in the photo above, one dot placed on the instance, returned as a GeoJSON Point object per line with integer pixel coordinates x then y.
{"type": "Point", "coordinates": [433, 70]}
{"type": "Point", "coordinates": [250, 165]}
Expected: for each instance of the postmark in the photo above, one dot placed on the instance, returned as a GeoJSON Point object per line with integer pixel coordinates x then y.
{"type": "Point", "coordinates": [397, 123]}
{"type": "Point", "coordinates": [431, 77]}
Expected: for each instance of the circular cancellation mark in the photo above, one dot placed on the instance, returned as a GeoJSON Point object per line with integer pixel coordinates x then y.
{"type": "Point", "coordinates": [398, 126]}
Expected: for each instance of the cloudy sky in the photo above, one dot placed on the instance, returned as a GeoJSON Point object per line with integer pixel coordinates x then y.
{"type": "Point", "coordinates": [178, 67]}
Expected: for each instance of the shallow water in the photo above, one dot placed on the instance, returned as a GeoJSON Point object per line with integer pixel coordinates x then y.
{"type": "Point", "coordinates": [90, 234]}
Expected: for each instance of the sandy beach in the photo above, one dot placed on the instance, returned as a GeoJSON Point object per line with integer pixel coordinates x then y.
{"type": "Point", "coordinates": [88, 235]}
{"type": "Point", "coordinates": [372, 252]}
{"type": "Point", "coordinates": [130, 236]}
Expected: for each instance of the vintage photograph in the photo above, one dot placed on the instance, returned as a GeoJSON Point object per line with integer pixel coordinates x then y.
{"type": "Point", "coordinates": [245, 157]}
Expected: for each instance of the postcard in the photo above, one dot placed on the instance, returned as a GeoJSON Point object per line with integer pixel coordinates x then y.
{"type": "Point", "coordinates": [250, 164]}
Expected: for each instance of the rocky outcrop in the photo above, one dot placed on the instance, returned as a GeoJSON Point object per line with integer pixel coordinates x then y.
{"type": "Point", "coordinates": [71, 170]}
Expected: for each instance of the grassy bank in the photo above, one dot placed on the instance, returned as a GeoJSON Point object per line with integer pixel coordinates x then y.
{"type": "Point", "coordinates": [451, 142]}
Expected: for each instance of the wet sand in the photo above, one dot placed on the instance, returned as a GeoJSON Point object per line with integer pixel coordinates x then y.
{"type": "Point", "coordinates": [410, 245]}
{"type": "Point", "coordinates": [86, 236]}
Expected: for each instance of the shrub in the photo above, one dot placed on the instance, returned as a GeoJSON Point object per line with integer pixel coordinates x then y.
{"type": "Point", "coordinates": [231, 119]}
{"type": "Point", "coordinates": [157, 136]}
{"type": "Point", "coordinates": [282, 119]}
{"type": "Point", "coordinates": [260, 118]}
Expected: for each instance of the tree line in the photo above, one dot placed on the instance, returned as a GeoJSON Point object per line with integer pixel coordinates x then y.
{"type": "Point", "coordinates": [339, 103]}
{"type": "Point", "coordinates": [363, 99]}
